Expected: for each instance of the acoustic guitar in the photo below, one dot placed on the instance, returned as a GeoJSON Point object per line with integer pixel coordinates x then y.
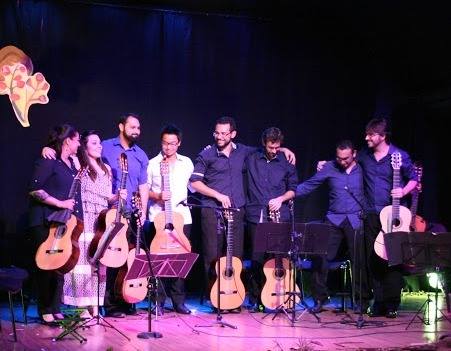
{"type": "Point", "coordinates": [60, 250]}
{"type": "Point", "coordinates": [279, 279]}
{"type": "Point", "coordinates": [134, 290]}
{"type": "Point", "coordinates": [418, 224]}
{"type": "Point", "coordinates": [110, 245]}
{"type": "Point", "coordinates": [394, 218]}
{"type": "Point", "coordinates": [228, 271]}
{"type": "Point", "coordinates": [169, 236]}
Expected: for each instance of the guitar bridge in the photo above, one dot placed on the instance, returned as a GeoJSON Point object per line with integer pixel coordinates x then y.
{"type": "Point", "coordinates": [228, 292]}
{"type": "Point", "coordinates": [51, 252]}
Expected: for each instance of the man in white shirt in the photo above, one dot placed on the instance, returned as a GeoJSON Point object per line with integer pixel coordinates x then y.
{"type": "Point", "coordinates": [169, 165]}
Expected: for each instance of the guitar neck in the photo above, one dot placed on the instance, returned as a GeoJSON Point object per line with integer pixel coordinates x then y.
{"type": "Point", "coordinates": [396, 201]}
{"type": "Point", "coordinates": [167, 203]}
{"type": "Point", "coordinates": [229, 242]}
{"type": "Point", "coordinates": [74, 187]}
{"type": "Point", "coordinates": [122, 185]}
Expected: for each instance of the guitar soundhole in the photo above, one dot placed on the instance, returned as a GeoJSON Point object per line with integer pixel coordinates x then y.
{"type": "Point", "coordinates": [169, 226]}
{"type": "Point", "coordinates": [228, 272]}
{"type": "Point", "coordinates": [396, 222]}
{"type": "Point", "coordinates": [60, 231]}
{"type": "Point", "coordinates": [279, 273]}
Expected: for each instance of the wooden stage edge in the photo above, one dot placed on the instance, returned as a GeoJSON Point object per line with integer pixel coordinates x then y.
{"type": "Point", "coordinates": [200, 331]}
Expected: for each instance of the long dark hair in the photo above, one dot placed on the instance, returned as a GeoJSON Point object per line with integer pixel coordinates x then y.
{"type": "Point", "coordinates": [84, 158]}
{"type": "Point", "coordinates": [57, 136]}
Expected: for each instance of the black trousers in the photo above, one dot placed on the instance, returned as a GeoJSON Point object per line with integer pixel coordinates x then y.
{"type": "Point", "coordinates": [214, 242]}
{"type": "Point", "coordinates": [386, 281]}
{"type": "Point", "coordinates": [356, 248]}
{"type": "Point", "coordinates": [256, 278]}
{"type": "Point", "coordinates": [49, 284]}
{"type": "Point", "coordinates": [172, 287]}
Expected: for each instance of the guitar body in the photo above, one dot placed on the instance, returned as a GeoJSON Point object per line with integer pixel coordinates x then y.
{"type": "Point", "coordinates": [133, 290]}
{"type": "Point", "coordinates": [117, 251]}
{"type": "Point", "coordinates": [278, 283]}
{"type": "Point", "coordinates": [60, 250]}
{"type": "Point", "coordinates": [390, 225]}
{"type": "Point", "coordinates": [169, 238]}
{"type": "Point", "coordinates": [232, 290]}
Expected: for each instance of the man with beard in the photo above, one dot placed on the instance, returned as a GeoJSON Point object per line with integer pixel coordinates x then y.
{"type": "Point", "coordinates": [377, 171]}
{"type": "Point", "coordinates": [125, 142]}
{"type": "Point", "coordinates": [378, 186]}
{"type": "Point", "coordinates": [218, 176]}
{"type": "Point", "coordinates": [344, 179]}
{"type": "Point", "coordinates": [271, 182]}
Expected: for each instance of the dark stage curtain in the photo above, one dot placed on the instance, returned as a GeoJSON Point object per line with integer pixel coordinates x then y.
{"type": "Point", "coordinates": [319, 81]}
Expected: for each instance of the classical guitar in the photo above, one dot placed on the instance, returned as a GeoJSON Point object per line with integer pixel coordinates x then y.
{"type": "Point", "coordinates": [394, 218]}
{"type": "Point", "coordinates": [109, 244]}
{"type": "Point", "coordinates": [60, 250]}
{"type": "Point", "coordinates": [169, 236]}
{"type": "Point", "coordinates": [228, 271]}
{"type": "Point", "coordinates": [279, 279]}
{"type": "Point", "coordinates": [418, 224]}
{"type": "Point", "coordinates": [134, 290]}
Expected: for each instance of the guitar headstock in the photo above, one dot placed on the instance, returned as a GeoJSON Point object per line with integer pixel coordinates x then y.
{"type": "Point", "coordinates": [396, 160]}
{"type": "Point", "coordinates": [274, 216]}
{"type": "Point", "coordinates": [228, 214]}
{"type": "Point", "coordinates": [137, 206]}
{"type": "Point", "coordinates": [81, 173]}
{"type": "Point", "coordinates": [123, 162]}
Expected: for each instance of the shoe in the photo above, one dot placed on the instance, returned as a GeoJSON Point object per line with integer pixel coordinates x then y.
{"type": "Point", "coordinates": [182, 309]}
{"type": "Point", "coordinates": [375, 312]}
{"type": "Point", "coordinates": [131, 312]}
{"type": "Point", "coordinates": [58, 316]}
{"type": "Point", "coordinates": [391, 314]}
{"type": "Point", "coordinates": [318, 307]}
{"type": "Point", "coordinates": [255, 308]}
{"type": "Point", "coordinates": [115, 314]}
{"type": "Point", "coordinates": [85, 315]}
{"type": "Point", "coordinates": [363, 310]}
{"type": "Point", "coordinates": [48, 319]}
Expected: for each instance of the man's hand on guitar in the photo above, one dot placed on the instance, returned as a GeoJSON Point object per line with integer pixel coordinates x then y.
{"type": "Point", "coordinates": [165, 195]}
{"type": "Point", "coordinates": [224, 200]}
{"type": "Point", "coordinates": [123, 194]}
{"type": "Point", "coordinates": [397, 193]}
{"type": "Point", "coordinates": [275, 204]}
{"type": "Point", "coordinates": [69, 204]}
{"type": "Point", "coordinates": [48, 153]}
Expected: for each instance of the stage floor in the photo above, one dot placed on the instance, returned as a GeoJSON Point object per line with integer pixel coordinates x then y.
{"type": "Point", "coordinates": [199, 331]}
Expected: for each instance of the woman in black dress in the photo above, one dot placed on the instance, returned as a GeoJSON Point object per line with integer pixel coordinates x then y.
{"type": "Point", "coordinates": [49, 190]}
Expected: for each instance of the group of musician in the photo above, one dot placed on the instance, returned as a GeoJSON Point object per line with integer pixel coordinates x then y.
{"type": "Point", "coordinates": [239, 187]}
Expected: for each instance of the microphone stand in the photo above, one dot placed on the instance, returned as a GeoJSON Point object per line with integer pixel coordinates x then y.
{"type": "Point", "coordinates": [219, 231]}
{"type": "Point", "coordinates": [360, 323]}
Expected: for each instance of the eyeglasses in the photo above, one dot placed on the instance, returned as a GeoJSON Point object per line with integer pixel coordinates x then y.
{"type": "Point", "coordinates": [223, 134]}
{"type": "Point", "coordinates": [173, 144]}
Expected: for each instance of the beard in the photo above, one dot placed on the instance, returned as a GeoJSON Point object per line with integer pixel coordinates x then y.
{"type": "Point", "coordinates": [223, 146]}
{"type": "Point", "coordinates": [131, 138]}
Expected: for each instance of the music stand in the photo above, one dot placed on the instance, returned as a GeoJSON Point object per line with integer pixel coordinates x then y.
{"type": "Point", "coordinates": [426, 251]}
{"type": "Point", "coordinates": [156, 266]}
{"type": "Point", "coordinates": [306, 239]}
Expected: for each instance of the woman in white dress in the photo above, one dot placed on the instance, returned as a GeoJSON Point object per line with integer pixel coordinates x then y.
{"type": "Point", "coordinates": [80, 284]}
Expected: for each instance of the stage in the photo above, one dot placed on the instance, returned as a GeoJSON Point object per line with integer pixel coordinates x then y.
{"type": "Point", "coordinates": [253, 332]}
